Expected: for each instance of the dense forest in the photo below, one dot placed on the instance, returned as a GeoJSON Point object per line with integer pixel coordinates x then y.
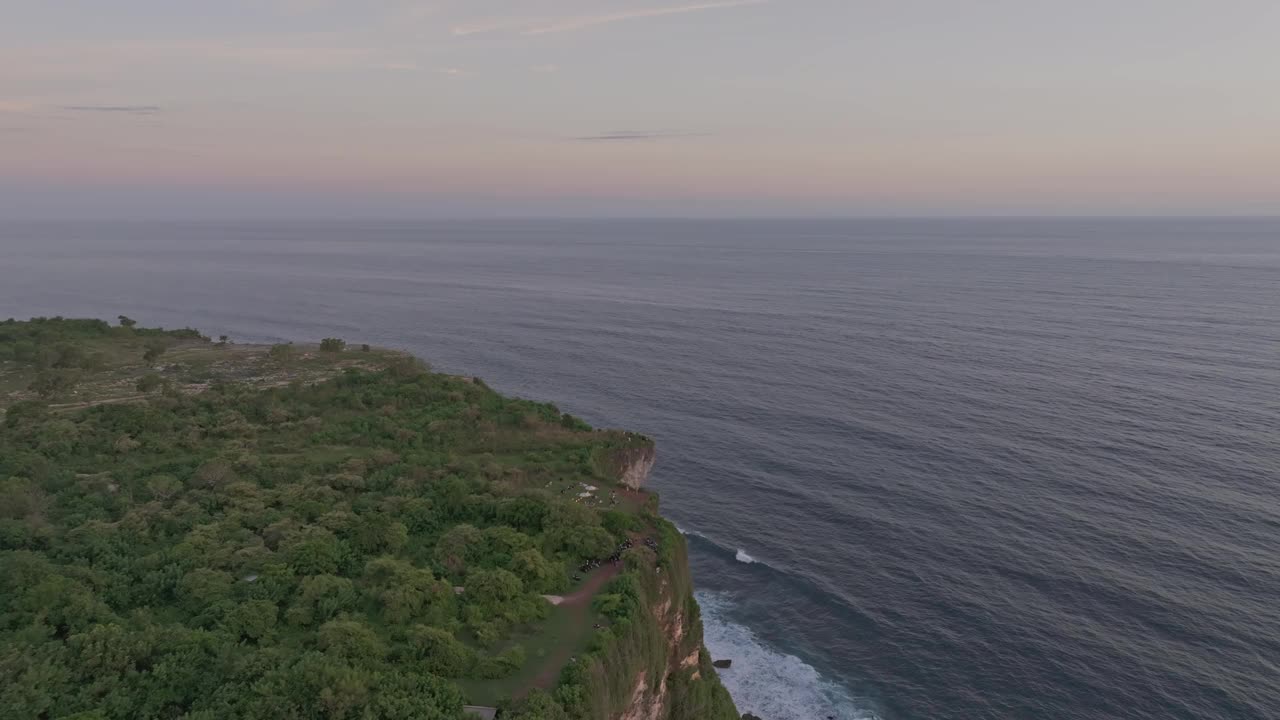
{"type": "Point", "coordinates": [192, 529]}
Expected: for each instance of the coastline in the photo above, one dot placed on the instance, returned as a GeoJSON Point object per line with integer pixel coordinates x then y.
{"type": "Point", "coordinates": [255, 410]}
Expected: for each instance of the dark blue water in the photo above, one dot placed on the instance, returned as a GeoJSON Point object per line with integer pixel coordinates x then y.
{"type": "Point", "coordinates": [930, 469]}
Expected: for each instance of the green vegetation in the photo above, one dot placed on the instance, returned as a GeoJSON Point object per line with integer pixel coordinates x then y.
{"type": "Point", "coordinates": [272, 532]}
{"type": "Point", "coordinates": [77, 363]}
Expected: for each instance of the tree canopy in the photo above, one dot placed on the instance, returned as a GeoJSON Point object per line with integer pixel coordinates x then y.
{"type": "Point", "coordinates": [289, 551]}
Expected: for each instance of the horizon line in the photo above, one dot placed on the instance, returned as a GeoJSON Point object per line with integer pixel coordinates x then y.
{"type": "Point", "coordinates": [653, 218]}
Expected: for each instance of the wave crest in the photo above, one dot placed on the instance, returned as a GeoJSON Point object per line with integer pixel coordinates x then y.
{"type": "Point", "coordinates": [767, 682]}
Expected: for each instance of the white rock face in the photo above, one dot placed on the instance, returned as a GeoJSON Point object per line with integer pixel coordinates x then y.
{"type": "Point", "coordinates": [637, 466]}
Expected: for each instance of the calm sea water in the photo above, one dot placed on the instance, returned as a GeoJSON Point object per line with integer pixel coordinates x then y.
{"type": "Point", "coordinates": [929, 469]}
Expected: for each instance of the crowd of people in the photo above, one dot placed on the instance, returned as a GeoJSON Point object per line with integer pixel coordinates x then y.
{"type": "Point", "coordinates": [615, 558]}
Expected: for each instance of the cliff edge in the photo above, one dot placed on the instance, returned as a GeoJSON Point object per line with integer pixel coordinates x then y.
{"type": "Point", "coordinates": [649, 663]}
{"type": "Point", "coordinates": [646, 659]}
{"type": "Point", "coordinates": [685, 686]}
{"type": "Point", "coordinates": [632, 462]}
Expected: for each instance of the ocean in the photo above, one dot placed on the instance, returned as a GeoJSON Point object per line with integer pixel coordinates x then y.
{"type": "Point", "coordinates": [928, 469]}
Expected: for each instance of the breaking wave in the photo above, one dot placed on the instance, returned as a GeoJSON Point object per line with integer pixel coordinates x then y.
{"type": "Point", "coordinates": [767, 682]}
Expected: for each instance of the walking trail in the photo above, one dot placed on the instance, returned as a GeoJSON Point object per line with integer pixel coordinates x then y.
{"type": "Point", "coordinates": [578, 605]}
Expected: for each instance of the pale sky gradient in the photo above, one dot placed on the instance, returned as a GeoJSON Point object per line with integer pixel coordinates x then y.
{"type": "Point", "coordinates": [403, 108]}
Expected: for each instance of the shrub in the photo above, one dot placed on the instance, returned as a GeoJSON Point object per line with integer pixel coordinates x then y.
{"type": "Point", "coordinates": [320, 598]}
{"type": "Point", "coordinates": [53, 383]}
{"type": "Point", "coordinates": [67, 355]}
{"type": "Point", "coordinates": [440, 652]}
{"type": "Point", "coordinates": [283, 352]}
{"type": "Point", "coordinates": [150, 382]}
{"type": "Point", "coordinates": [501, 665]}
{"type": "Point", "coordinates": [351, 639]}
{"type": "Point", "coordinates": [153, 352]}
{"type": "Point", "coordinates": [94, 362]}
{"type": "Point", "coordinates": [332, 345]}
{"type": "Point", "coordinates": [254, 619]}
{"type": "Point", "coordinates": [317, 553]}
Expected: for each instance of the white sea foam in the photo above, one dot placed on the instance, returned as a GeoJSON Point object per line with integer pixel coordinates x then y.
{"type": "Point", "coordinates": [742, 557]}
{"type": "Point", "coordinates": [767, 682]}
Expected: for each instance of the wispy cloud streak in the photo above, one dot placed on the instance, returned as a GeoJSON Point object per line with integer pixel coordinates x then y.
{"type": "Point", "coordinates": [590, 21]}
{"type": "Point", "coordinates": [585, 22]}
{"type": "Point", "coordinates": [126, 109]}
{"type": "Point", "coordinates": [638, 135]}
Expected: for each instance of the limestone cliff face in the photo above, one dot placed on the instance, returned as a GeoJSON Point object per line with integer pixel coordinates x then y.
{"type": "Point", "coordinates": [653, 666]}
{"type": "Point", "coordinates": [650, 698]}
{"type": "Point", "coordinates": [633, 465]}
{"type": "Point", "coordinates": [684, 686]}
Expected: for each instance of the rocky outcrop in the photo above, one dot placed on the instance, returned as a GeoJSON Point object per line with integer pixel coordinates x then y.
{"type": "Point", "coordinates": [645, 705]}
{"type": "Point", "coordinates": [634, 465]}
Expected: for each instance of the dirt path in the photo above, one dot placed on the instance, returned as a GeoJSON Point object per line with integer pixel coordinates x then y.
{"type": "Point", "coordinates": [579, 603]}
{"type": "Point", "coordinates": [593, 585]}
{"type": "Point", "coordinates": [589, 589]}
{"type": "Point", "coordinates": [101, 401]}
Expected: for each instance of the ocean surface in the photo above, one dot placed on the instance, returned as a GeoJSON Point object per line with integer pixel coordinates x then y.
{"type": "Point", "coordinates": [928, 469]}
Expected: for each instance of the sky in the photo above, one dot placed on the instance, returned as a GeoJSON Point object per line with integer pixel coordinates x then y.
{"type": "Point", "coordinates": [455, 108]}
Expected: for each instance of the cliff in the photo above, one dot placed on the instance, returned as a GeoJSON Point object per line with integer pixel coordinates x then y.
{"type": "Point", "coordinates": [686, 686]}
{"type": "Point", "coordinates": [646, 659]}
{"type": "Point", "coordinates": [632, 462]}
{"type": "Point", "coordinates": [651, 663]}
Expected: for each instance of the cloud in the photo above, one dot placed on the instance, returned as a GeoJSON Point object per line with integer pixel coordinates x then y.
{"type": "Point", "coordinates": [308, 53]}
{"type": "Point", "coordinates": [16, 106]}
{"type": "Point", "coordinates": [484, 26]}
{"type": "Point", "coordinates": [307, 58]}
{"type": "Point", "coordinates": [584, 22]}
{"type": "Point", "coordinates": [381, 9]}
{"type": "Point", "coordinates": [588, 21]}
{"type": "Point", "coordinates": [126, 109]}
{"type": "Point", "coordinates": [638, 135]}
{"type": "Point", "coordinates": [544, 68]}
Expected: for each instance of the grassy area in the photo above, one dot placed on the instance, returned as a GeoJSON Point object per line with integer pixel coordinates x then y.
{"type": "Point", "coordinates": [564, 634]}
{"type": "Point", "coordinates": [185, 366]}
